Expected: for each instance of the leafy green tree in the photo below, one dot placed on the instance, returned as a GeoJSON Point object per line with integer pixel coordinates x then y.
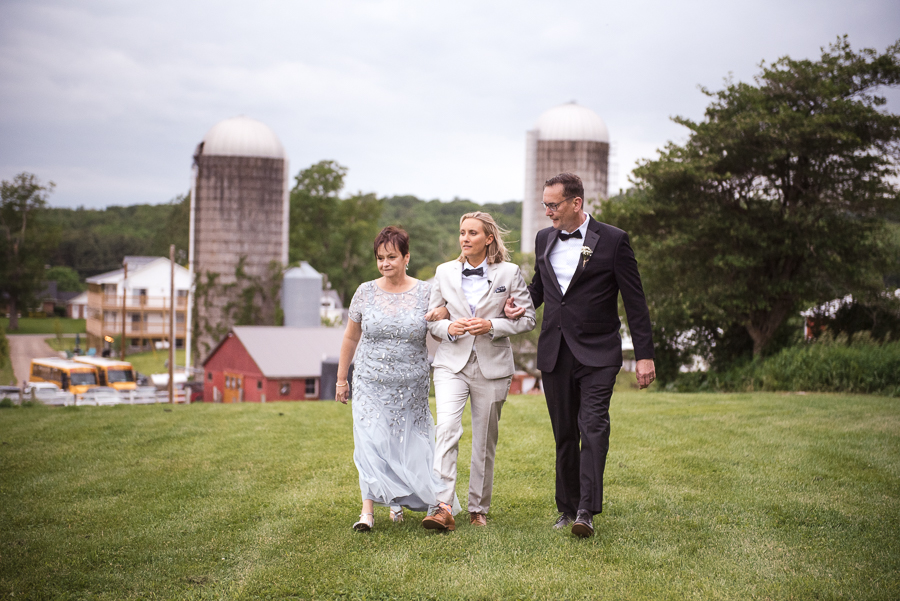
{"type": "Point", "coordinates": [776, 202]}
{"type": "Point", "coordinates": [333, 234]}
{"type": "Point", "coordinates": [433, 227]}
{"type": "Point", "coordinates": [66, 278]}
{"type": "Point", "coordinates": [24, 245]}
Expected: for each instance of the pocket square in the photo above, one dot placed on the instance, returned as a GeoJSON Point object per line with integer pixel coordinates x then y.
{"type": "Point", "coordinates": [500, 289]}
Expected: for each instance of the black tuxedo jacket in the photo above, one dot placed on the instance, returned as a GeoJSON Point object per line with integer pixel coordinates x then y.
{"type": "Point", "coordinates": [587, 314]}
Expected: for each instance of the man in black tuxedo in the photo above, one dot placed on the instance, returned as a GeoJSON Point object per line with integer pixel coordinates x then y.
{"type": "Point", "coordinates": [581, 265]}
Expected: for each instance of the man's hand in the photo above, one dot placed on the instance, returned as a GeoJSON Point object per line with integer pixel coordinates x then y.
{"type": "Point", "coordinates": [645, 372]}
{"type": "Point", "coordinates": [511, 310]}
{"type": "Point", "coordinates": [437, 314]}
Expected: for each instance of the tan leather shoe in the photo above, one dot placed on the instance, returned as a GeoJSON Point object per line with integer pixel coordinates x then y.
{"type": "Point", "coordinates": [441, 520]}
{"type": "Point", "coordinates": [477, 519]}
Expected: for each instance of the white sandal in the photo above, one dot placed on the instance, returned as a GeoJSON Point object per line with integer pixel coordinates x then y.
{"type": "Point", "coordinates": [366, 522]}
{"type": "Point", "coordinates": [397, 515]}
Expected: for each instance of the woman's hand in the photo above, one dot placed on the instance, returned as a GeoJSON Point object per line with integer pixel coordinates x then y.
{"type": "Point", "coordinates": [458, 327]}
{"type": "Point", "coordinates": [437, 314]}
{"type": "Point", "coordinates": [342, 393]}
{"type": "Point", "coordinates": [478, 326]}
{"type": "Point", "coordinates": [511, 310]}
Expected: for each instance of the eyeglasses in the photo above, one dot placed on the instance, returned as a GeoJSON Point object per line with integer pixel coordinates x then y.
{"type": "Point", "coordinates": [554, 206]}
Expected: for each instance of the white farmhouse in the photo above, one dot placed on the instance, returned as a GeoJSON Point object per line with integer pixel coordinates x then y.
{"type": "Point", "coordinates": [146, 293]}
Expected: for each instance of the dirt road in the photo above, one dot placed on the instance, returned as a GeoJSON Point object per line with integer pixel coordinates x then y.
{"type": "Point", "coordinates": [25, 347]}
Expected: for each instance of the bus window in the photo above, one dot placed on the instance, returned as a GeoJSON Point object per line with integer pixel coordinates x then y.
{"type": "Point", "coordinates": [120, 375]}
{"type": "Point", "coordinates": [83, 378]}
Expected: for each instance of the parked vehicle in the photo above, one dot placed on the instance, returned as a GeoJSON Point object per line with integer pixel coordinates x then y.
{"type": "Point", "coordinates": [100, 395]}
{"type": "Point", "coordinates": [40, 388]}
{"type": "Point", "coordinates": [195, 389]}
{"type": "Point", "coordinates": [70, 376]}
{"type": "Point", "coordinates": [117, 374]}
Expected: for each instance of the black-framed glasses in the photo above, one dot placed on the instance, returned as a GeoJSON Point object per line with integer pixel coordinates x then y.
{"type": "Point", "coordinates": [553, 206]}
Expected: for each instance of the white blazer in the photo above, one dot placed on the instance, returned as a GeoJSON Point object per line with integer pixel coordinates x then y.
{"type": "Point", "coordinates": [495, 356]}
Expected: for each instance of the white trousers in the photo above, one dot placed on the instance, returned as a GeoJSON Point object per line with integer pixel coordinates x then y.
{"type": "Point", "coordinates": [451, 392]}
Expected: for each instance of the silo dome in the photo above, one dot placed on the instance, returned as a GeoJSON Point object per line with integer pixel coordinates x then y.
{"type": "Point", "coordinates": [571, 122]}
{"type": "Point", "coordinates": [242, 136]}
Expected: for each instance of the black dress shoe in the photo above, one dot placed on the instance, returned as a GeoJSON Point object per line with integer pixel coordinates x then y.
{"type": "Point", "coordinates": [562, 521]}
{"type": "Point", "coordinates": [583, 526]}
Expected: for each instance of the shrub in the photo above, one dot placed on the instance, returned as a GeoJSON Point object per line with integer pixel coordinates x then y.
{"type": "Point", "coordinates": [830, 365]}
{"type": "Point", "coordinates": [7, 403]}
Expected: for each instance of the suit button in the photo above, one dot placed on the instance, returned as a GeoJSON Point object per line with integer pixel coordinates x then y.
{"type": "Point", "coordinates": [558, 327]}
{"type": "Point", "coordinates": [563, 303]}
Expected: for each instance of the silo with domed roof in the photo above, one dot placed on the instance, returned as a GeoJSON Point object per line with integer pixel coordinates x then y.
{"type": "Point", "coordinates": [239, 213]}
{"type": "Point", "coordinates": [571, 138]}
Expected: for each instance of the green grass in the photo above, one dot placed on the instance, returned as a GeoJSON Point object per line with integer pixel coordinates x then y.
{"type": "Point", "coordinates": [153, 362]}
{"type": "Point", "coordinates": [45, 325]}
{"type": "Point", "coordinates": [7, 375]}
{"type": "Point", "coordinates": [743, 496]}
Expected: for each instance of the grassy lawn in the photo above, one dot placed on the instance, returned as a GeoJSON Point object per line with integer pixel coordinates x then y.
{"type": "Point", "coordinates": [6, 374]}
{"type": "Point", "coordinates": [153, 362]}
{"type": "Point", "coordinates": [744, 496]}
{"type": "Point", "coordinates": [45, 325]}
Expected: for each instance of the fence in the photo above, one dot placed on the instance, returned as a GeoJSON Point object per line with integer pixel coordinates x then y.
{"type": "Point", "coordinates": [147, 395]}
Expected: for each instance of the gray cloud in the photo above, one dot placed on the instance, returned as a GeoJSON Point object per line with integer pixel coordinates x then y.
{"type": "Point", "coordinates": [109, 99]}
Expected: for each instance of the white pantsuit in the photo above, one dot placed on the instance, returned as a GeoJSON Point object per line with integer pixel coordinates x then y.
{"type": "Point", "coordinates": [476, 367]}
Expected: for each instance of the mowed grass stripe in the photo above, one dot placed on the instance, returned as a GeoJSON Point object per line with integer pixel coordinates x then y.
{"type": "Point", "coordinates": [742, 496]}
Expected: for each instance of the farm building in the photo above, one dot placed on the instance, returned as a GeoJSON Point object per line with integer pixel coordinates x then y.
{"type": "Point", "coordinates": [270, 363]}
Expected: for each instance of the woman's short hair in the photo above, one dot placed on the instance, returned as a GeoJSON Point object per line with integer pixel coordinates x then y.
{"type": "Point", "coordinates": [572, 185]}
{"type": "Point", "coordinates": [496, 250]}
{"type": "Point", "coordinates": [395, 237]}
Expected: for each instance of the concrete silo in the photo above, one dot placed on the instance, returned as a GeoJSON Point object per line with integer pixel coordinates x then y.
{"type": "Point", "coordinates": [301, 297]}
{"type": "Point", "coordinates": [571, 138]}
{"type": "Point", "coordinates": [239, 211]}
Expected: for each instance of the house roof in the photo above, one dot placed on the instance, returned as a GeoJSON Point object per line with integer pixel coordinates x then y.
{"type": "Point", "coordinates": [284, 352]}
{"type": "Point", "coordinates": [135, 266]}
{"type": "Point", "coordinates": [81, 299]}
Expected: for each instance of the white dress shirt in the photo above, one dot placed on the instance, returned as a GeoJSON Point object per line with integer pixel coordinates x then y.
{"type": "Point", "coordinates": [475, 286]}
{"type": "Point", "coordinates": [565, 256]}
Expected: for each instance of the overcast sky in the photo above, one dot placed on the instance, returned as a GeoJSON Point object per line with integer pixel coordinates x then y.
{"type": "Point", "coordinates": [109, 99]}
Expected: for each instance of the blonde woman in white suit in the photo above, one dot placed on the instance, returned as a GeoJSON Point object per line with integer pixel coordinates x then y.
{"type": "Point", "coordinates": [474, 359]}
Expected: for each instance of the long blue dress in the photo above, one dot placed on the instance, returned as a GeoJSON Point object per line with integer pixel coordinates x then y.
{"type": "Point", "coordinates": [393, 430]}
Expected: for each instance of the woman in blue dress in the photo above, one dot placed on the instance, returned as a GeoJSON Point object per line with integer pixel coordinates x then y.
{"type": "Point", "coordinates": [393, 430]}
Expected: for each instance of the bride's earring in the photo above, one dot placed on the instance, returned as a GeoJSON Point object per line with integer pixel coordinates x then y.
{"type": "Point", "coordinates": [407, 267]}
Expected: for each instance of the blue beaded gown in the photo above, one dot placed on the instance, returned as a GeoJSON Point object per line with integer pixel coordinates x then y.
{"type": "Point", "coordinates": [393, 430]}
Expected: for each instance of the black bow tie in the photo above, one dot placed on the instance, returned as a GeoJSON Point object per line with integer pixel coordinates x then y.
{"type": "Point", "coordinates": [565, 236]}
{"type": "Point", "coordinates": [477, 271]}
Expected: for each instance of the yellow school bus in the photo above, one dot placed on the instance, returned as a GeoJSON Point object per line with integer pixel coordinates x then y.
{"type": "Point", "coordinates": [70, 376]}
{"type": "Point", "coordinates": [118, 374]}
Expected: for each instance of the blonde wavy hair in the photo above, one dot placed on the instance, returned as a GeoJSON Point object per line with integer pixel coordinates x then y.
{"type": "Point", "coordinates": [496, 250]}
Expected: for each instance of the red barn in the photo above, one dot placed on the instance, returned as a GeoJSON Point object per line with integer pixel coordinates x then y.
{"type": "Point", "coordinates": [269, 363]}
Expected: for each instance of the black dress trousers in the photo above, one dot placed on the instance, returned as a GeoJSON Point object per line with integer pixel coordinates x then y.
{"type": "Point", "coordinates": [578, 401]}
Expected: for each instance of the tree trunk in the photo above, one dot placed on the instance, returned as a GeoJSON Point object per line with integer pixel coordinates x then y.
{"type": "Point", "coordinates": [13, 314]}
{"type": "Point", "coordinates": [762, 325]}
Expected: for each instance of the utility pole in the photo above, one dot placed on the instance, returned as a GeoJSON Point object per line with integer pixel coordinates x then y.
{"type": "Point", "coordinates": [124, 279]}
{"type": "Point", "coordinates": [172, 325]}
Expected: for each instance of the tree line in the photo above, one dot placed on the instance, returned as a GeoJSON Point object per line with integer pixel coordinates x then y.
{"type": "Point", "coordinates": [330, 230]}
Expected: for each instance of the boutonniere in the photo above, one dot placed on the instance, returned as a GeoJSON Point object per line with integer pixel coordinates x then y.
{"type": "Point", "coordinates": [586, 253]}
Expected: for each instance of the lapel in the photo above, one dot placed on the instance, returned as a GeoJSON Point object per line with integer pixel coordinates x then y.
{"type": "Point", "coordinates": [550, 243]}
{"type": "Point", "coordinates": [492, 280]}
{"type": "Point", "coordinates": [456, 282]}
{"type": "Point", "coordinates": [590, 240]}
